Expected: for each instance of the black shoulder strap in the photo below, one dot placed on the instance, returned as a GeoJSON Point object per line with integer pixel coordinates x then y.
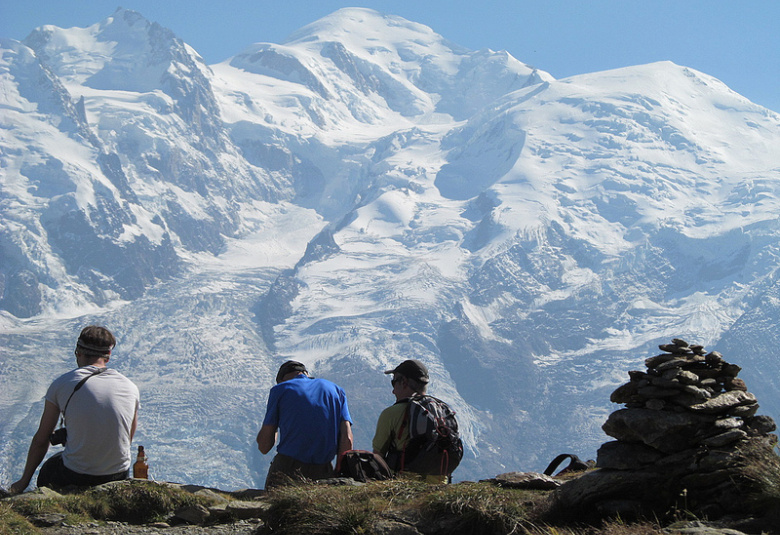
{"type": "Point", "coordinates": [81, 383]}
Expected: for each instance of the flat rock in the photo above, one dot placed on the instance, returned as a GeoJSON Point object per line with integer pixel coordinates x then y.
{"type": "Point", "coordinates": [724, 439]}
{"type": "Point", "coordinates": [193, 514]}
{"type": "Point", "coordinates": [761, 424]}
{"type": "Point", "coordinates": [625, 456]}
{"type": "Point", "coordinates": [211, 495]}
{"type": "Point", "coordinates": [246, 510]}
{"type": "Point", "coordinates": [698, 528]}
{"type": "Point", "coordinates": [47, 520]}
{"type": "Point", "coordinates": [724, 402]}
{"type": "Point", "coordinates": [625, 393]}
{"type": "Point", "coordinates": [392, 527]}
{"type": "Point", "coordinates": [652, 362]}
{"type": "Point", "coordinates": [657, 392]}
{"type": "Point", "coordinates": [671, 364]}
{"type": "Point", "coordinates": [665, 431]}
{"type": "Point", "coordinates": [745, 411]}
{"type": "Point", "coordinates": [41, 493]}
{"type": "Point", "coordinates": [526, 480]}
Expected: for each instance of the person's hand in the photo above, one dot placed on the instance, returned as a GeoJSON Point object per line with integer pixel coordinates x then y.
{"type": "Point", "coordinates": [18, 487]}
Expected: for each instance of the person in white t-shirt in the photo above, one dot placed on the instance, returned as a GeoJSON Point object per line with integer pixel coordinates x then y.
{"type": "Point", "coordinates": [100, 410]}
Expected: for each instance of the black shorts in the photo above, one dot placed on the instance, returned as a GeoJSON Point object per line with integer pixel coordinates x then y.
{"type": "Point", "coordinates": [284, 469]}
{"type": "Point", "coordinates": [54, 474]}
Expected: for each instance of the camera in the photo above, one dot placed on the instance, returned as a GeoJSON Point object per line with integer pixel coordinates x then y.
{"type": "Point", "coordinates": [58, 437]}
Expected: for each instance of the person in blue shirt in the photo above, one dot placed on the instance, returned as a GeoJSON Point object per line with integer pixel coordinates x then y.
{"type": "Point", "coordinates": [311, 418]}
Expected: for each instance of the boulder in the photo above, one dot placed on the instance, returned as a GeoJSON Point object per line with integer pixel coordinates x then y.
{"type": "Point", "coordinates": [580, 498]}
{"type": "Point", "coordinates": [625, 455]}
{"type": "Point", "coordinates": [665, 431]}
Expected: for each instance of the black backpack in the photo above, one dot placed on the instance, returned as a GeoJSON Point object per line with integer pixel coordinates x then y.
{"type": "Point", "coordinates": [434, 447]}
{"type": "Point", "coordinates": [575, 465]}
{"type": "Point", "coordinates": [362, 465]}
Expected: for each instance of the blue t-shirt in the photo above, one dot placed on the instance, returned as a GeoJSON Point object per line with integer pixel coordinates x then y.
{"type": "Point", "coordinates": [307, 413]}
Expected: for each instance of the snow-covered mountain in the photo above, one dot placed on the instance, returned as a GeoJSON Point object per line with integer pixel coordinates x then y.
{"type": "Point", "coordinates": [363, 193]}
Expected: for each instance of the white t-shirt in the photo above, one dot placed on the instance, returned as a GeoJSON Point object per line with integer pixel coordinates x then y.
{"type": "Point", "coordinates": [98, 419]}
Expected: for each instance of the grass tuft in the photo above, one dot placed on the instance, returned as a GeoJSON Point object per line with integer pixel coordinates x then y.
{"type": "Point", "coordinates": [484, 508]}
{"type": "Point", "coordinates": [761, 470]}
{"type": "Point", "coordinates": [137, 502]}
{"type": "Point", "coordinates": [12, 523]}
{"type": "Point", "coordinates": [134, 501]}
{"type": "Point", "coordinates": [321, 509]}
{"type": "Point", "coordinates": [461, 508]}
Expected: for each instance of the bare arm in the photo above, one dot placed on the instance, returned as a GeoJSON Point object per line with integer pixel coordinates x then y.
{"type": "Point", "coordinates": [345, 436]}
{"type": "Point", "coordinates": [266, 438]}
{"type": "Point", "coordinates": [134, 425]}
{"type": "Point", "coordinates": [39, 446]}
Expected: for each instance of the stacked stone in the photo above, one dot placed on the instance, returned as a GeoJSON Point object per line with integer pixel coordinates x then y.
{"type": "Point", "coordinates": [687, 399]}
{"type": "Point", "coordinates": [688, 413]}
{"type": "Point", "coordinates": [687, 426]}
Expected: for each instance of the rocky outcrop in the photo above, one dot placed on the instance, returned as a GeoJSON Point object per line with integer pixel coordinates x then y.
{"type": "Point", "coordinates": [686, 439]}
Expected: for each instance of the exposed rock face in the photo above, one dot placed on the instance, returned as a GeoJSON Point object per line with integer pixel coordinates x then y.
{"type": "Point", "coordinates": [688, 427]}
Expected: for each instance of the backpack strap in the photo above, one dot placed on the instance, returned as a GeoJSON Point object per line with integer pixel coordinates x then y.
{"type": "Point", "coordinates": [401, 429]}
{"type": "Point", "coordinates": [445, 462]}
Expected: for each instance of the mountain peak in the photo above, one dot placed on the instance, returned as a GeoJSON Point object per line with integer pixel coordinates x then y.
{"type": "Point", "coordinates": [414, 70]}
{"type": "Point", "coordinates": [366, 28]}
{"type": "Point", "coordinates": [124, 51]}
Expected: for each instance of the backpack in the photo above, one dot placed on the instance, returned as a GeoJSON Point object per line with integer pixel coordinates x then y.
{"type": "Point", "coordinates": [362, 465]}
{"type": "Point", "coordinates": [575, 465]}
{"type": "Point", "coordinates": [434, 447]}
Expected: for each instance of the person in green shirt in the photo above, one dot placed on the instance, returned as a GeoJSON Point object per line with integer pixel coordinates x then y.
{"type": "Point", "coordinates": [410, 378]}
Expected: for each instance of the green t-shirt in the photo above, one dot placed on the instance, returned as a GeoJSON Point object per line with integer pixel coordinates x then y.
{"type": "Point", "coordinates": [387, 429]}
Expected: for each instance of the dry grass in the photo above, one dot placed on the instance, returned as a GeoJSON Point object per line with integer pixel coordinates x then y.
{"type": "Point", "coordinates": [12, 522]}
{"type": "Point", "coordinates": [761, 472]}
{"type": "Point", "coordinates": [136, 502]}
{"type": "Point", "coordinates": [464, 508]}
{"type": "Point", "coordinates": [485, 508]}
{"type": "Point", "coordinates": [320, 509]}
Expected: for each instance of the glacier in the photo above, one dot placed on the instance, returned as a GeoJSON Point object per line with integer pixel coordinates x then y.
{"type": "Point", "coordinates": [362, 193]}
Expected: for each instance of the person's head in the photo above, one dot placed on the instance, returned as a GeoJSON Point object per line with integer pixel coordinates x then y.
{"type": "Point", "coordinates": [409, 378]}
{"type": "Point", "coordinates": [289, 370]}
{"type": "Point", "coordinates": [94, 345]}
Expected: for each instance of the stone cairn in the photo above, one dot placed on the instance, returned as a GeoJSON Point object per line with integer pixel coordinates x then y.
{"type": "Point", "coordinates": [680, 441]}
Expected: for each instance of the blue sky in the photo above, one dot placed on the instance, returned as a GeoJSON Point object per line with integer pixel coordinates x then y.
{"type": "Point", "coordinates": [737, 41]}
